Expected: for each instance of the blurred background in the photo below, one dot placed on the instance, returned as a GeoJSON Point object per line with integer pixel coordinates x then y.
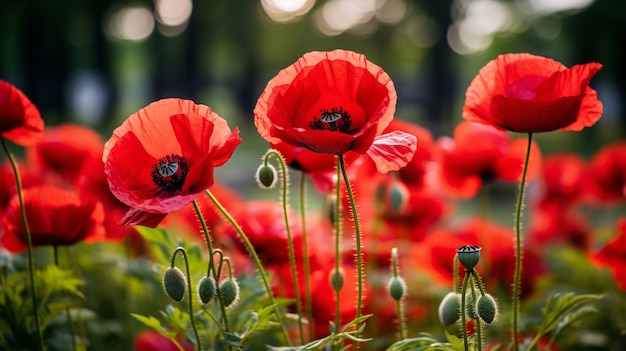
{"type": "Point", "coordinates": [96, 62]}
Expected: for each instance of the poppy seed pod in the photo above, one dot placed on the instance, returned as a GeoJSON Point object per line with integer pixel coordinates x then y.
{"type": "Point", "coordinates": [266, 176]}
{"type": "Point", "coordinates": [470, 305]}
{"type": "Point", "coordinates": [469, 256]}
{"type": "Point", "coordinates": [398, 196]}
{"type": "Point", "coordinates": [230, 292]}
{"type": "Point", "coordinates": [207, 290]}
{"type": "Point", "coordinates": [174, 283]}
{"type": "Point", "coordinates": [449, 308]}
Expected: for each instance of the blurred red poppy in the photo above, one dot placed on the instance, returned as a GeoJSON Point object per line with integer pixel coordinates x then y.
{"type": "Point", "coordinates": [613, 255]}
{"type": "Point", "coordinates": [163, 156]}
{"type": "Point", "coordinates": [527, 93]}
{"type": "Point", "coordinates": [64, 149]}
{"type": "Point", "coordinates": [480, 154]}
{"type": "Point", "coordinates": [150, 340]}
{"type": "Point", "coordinates": [607, 183]}
{"type": "Point", "coordinates": [334, 102]}
{"type": "Point", "coordinates": [20, 120]}
{"type": "Point", "coordinates": [563, 179]}
{"type": "Point", "coordinates": [56, 216]}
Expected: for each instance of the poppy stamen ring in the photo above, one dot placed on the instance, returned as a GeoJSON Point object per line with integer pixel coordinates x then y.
{"type": "Point", "coordinates": [335, 119]}
{"type": "Point", "coordinates": [169, 173]}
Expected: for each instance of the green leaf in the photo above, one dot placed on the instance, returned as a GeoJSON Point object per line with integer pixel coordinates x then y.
{"type": "Point", "coordinates": [562, 307]}
{"type": "Point", "coordinates": [423, 342]}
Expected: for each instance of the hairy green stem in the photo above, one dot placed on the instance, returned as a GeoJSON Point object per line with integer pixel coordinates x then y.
{"type": "Point", "coordinates": [191, 316]}
{"type": "Point", "coordinates": [31, 261]}
{"type": "Point", "coordinates": [463, 310]}
{"type": "Point", "coordinates": [292, 256]}
{"type": "Point", "coordinates": [256, 260]}
{"type": "Point", "coordinates": [305, 255]}
{"type": "Point", "coordinates": [479, 326]}
{"type": "Point", "coordinates": [518, 246]}
{"type": "Point", "coordinates": [211, 268]}
{"type": "Point", "coordinates": [357, 236]}
{"type": "Point", "coordinates": [399, 310]}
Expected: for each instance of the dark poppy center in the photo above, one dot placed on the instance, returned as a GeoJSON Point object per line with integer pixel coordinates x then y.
{"type": "Point", "coordinates": [169, 173]}
{"type": "Point", "coordinates": [335, 119]}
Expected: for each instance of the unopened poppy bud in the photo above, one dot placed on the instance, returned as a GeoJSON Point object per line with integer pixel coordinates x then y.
{"type": "Point", "coordinates": [449, 309]}
{"type": "Point", "coordinates": [487, 308]}
{"type": "Point", "coordinates": [396, 287]}
{"type": "Point", "coordinates": [230, 292]}
{"type": "Point", "coordinates": [206, 290]}
{"type": "Point", "coordinates": [336, 280]}
{"type": "Point", "coordinates": [469, 256]}
{"type": "Point", "coordinates": [174, 283]}
{"type": "Point", "coordinates": [266, 176]}
{"type": "Point", "coordinates": [398, 196]}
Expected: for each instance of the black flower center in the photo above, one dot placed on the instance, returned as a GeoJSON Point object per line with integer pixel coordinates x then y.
{"type": "Point", "coordinates": [169, 173]}
{"type": "Point", "coordinates": [337, 119]}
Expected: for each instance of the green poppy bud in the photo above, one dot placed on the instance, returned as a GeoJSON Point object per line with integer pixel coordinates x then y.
{"type": "Point", "coordinates": [398, 196]}
{"type": "Point", "coordinates": [487, 308]}
{"type": "Point", "coordinates": [469, 256]}
{"type": "Point", "coordinates": [396, 287]}
{"type": "Point", "coordinates": [230, 292]}
{"type": "Point", "coordinates": [449, 309]}
{"type": "Point", "coordinates": [266, 176]}
{"type": "Point", "coordinates": [336, 279]}
{"type": "Point", "coordinates": [174, 283]}
{"type": "Point", "coordinates": [207, 290]}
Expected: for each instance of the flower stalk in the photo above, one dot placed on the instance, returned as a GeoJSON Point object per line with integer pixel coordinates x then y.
{"type": "Point", "coordinates": [518, 247]}
{"type": "Point", "coordinates": [191, 315]}
{"type": "Point", "coordinates": [292, 256]}
{"type": "Point", "coordinates": [255, 258]}
{"type": "Point", "coordinates": [29, 241]}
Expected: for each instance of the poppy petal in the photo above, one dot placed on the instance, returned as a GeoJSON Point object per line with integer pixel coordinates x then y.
{"type": "Point", "coordinates": [392, 151]}
{"type": "Point", "coordinates": [135, 216]}
{"type": "Point", "coordinates": [20, 120]}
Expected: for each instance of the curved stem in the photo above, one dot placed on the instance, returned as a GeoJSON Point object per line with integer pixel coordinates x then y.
{"type": "Point", "coordinates": [455, 272]}
{"type": "Point", "coordinates": [55, 250]}
{"type": "Point", "coordinates": [305, 255]}
{"type": "Point", "coordinates": [292, 256]}
{"type": "Point", "coordinates": [191, 316]}
{"type": "Point", "coordinates": [256, 260]}
{"type": "Point", "coordinates": [463, 311]}
{"type": "Point", "coordinates": [207, 238]}
{"type": "Point", "coordinates": [518, 246]}
{"type": "Point", "coordinates": [357, 236]}
{"type": "Point", "coordinates": [31, 261]}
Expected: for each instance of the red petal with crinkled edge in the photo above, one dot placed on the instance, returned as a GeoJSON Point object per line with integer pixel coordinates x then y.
{"type": "Point", "coordinates": [392, 151]}
{"type": "Point", "coordinates": [20, 120]}
{"type": "Point", "coordinates": [321, 81]}
{"type": "Point", "coordinates": [163, 128]}
{"type": "Point", "coordinates": [527, 93]}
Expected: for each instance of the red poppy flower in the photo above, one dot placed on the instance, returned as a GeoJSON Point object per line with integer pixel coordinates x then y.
{"type": "Point", "coordinates": [613, 255]}
{"type": "Point", "coordinates": [20, 120]}
{"type": "Point", "coordinates": [65, 149]}
{"type": "Point", "coordinates": [163, 156]}
{"type": "Point", "coordinates": [562, 180]}
{"type": "Point", "coordinates": [150, 340]}
{"type": "Point", "coordinates": [55, 217]}
{"type": "Point", "coordinates": [607, 183]}
{"type": "Point", "coordinates": [527, 93]}
{"type": "Point", "coordinates": [480, 154]}
{"type": "Point", "coordinates": [334, 102]}
{"type": "Point", "coordinates": [554, 224]}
